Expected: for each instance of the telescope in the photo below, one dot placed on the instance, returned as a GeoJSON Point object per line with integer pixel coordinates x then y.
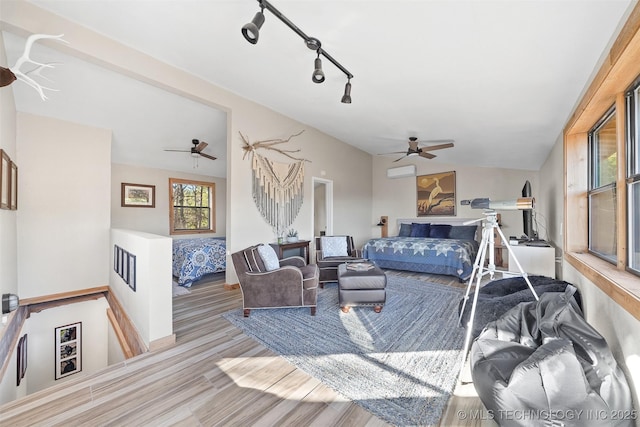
{"type": "Point", "coordinates": [521, 203]}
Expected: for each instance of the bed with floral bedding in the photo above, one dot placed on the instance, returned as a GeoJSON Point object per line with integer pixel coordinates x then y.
{"type": "Point", "coordinates": [194, 258]}
{"type": "Point", "coordinates": [448, 249]}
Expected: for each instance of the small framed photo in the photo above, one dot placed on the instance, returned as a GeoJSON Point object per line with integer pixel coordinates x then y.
{"type": "Point", "coordinates": [13, 192]}
{"type": "Point", "coordinates": [5, 180]}
{"type": "Point", "coordinates": [68, 350]}
{"type": "Point", "coordinates": [132, 272]}
{"type": "Point", "coordinates": [138, 195]}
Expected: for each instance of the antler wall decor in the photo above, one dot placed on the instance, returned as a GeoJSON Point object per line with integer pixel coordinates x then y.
{"type": "Point", "coordinates": [9, 75]}
{"type": "Point", "coordinates": [268, 144]}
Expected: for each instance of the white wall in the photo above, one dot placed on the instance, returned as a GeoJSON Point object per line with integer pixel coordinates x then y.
{"type": "Point", "coordinates": [41, 341]}
{"type": "Point", "coordinates": [397, 198]}
{"type": "Point", "coordinates": [150, 305]}
{"type": "Point", "coordinates": [64, 204]}
{"type": "Point", "coordinates": [156, 220]}
{"type": "Point", "coordinates": [8, 229]}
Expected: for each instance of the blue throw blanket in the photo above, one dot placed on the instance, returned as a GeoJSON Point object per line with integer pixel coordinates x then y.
{"type": "Point", "coordinates": [451, 257]}
{"type": "Point", "coordinates": [193, 258]}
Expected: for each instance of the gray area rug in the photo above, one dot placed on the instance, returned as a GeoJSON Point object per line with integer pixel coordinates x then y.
{"type": "Point", "coordinates": [401, 364]}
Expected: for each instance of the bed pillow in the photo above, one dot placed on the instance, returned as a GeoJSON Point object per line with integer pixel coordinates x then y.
{"type": "Point", "coordinates": [333, 246]}
{"type": "Point", "coordinates": [405, 230]}
{"type": "Point", "coordinates": [269, 257]}
{"type": "Point", "coordinates": [464, 232]}
{"type": "Point", "coordinates": [420, 230]}
{"type": "Point", "coordinates": [440, 231]}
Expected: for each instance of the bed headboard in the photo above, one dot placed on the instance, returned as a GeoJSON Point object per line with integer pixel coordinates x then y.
{"type": "Point", "coordinates": [452, 220]}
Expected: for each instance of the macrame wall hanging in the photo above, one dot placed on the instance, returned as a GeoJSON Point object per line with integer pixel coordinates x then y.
{"type": "Point", "coordinates": [277, 187]}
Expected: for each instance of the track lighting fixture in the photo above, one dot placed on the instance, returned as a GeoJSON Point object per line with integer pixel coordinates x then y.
{"type": "Point", "coordinates": [318, 74]}
{"type": "Point", "coordinates": [251, 31]}
{"type": "Point", "coordinates": [346, 98]}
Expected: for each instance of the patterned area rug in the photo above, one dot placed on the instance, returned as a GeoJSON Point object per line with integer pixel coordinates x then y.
{"type": "Point", "coordinates": [401, 364]}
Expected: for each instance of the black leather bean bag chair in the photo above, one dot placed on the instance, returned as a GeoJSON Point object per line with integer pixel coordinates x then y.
{"type": "Point", "coordinates": [498, 297]}
{"type": "Point", "coordinates": [542, 364]}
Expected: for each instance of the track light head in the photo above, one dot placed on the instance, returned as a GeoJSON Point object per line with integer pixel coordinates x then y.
{"type": "Point", "coordinates": [346, 98]}
{"type": "Point", "coordinates": [318, 74]}
{"type": "Point", "coordinates": [251, 31]}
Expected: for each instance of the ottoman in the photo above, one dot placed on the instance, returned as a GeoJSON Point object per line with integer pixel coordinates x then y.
{"type": "Point", "coordinates": [361, 287]}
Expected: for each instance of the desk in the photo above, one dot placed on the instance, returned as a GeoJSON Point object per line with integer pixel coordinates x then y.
{"type": "Point", "coordinates": [287, 249]}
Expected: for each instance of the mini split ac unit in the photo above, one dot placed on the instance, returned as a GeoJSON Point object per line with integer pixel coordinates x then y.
{"type": "Point", "coordinates": [402, 171]}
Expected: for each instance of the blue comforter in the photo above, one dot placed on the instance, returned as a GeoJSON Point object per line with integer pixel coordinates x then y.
{"type": "Point", "coordinates": [193, 258]}
{"type": "Point", "coordinates": [452, 257]}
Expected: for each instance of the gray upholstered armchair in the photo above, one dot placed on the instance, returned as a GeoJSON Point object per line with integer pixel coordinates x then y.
{"type": "Point", "coordinates": [269, 283]}
{"type": "Point", "coordinates": [331, 251]}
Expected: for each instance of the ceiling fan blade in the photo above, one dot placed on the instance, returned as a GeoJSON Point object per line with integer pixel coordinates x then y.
{"type": "Point", "coordinates": [432, 141]}
{"type": "Point", "coordinates": [427, 155]}
{"type": "Point", "coordinates": [207, 156]}
{"type": "Point", "coordinates": [397, 160]}
{"type": "Point", "coordinates": [393, 152]}
{"type": "Point", "coordinates": [201, 146]}
{"type": "Point", "coordinates": [177, 149]}
{"type": "Point", "coordinates": [437, 147]}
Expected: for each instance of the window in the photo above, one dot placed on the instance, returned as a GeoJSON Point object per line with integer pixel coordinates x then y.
{"type": "Point", "coordinates": [192, 206]}
{"type": "Point", "coordinates": [633, 176]}
{"type": "Point", "coordinates": [602, 189]}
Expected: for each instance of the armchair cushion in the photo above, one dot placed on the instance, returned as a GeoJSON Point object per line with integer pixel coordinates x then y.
{"type": "Point", "coordinates": [269, 257]}
{"type": "Point", "coordinates": [333, 246]}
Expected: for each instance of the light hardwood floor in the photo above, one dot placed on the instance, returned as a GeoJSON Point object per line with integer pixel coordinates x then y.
{"type": "Point", "coordinates": [213, 376]}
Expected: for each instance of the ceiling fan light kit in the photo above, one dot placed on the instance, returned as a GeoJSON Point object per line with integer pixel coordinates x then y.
{"type": "Point", "coordinates": [251, 33]}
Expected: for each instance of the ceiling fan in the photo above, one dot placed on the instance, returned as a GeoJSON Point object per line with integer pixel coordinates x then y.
{"type": "Point", "coordinates": [414, 150]}
{"type": "Point", "coordinates": [197, 148]}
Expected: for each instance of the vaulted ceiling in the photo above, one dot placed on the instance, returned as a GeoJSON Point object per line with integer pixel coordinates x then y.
{"type": "Point", "coordinates": [499, 77]}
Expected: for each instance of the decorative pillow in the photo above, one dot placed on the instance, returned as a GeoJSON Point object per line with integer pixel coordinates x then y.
{"type": "Point", "coordinates": [405, 230]}
{"type": "Point", "coordinates": [333, 246]}
{"type": "Point", "coordinates": [420, 230]}
{"type": "Point", "coordinates": [269, 257]}
{"type": "Point", "coordinates": [440, 231]}
{"type": "Point", "coordinates": [464, 232]}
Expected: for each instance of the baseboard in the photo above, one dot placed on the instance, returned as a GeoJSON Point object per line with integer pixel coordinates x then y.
{"type": "Point", "coordinates": [162, 343]}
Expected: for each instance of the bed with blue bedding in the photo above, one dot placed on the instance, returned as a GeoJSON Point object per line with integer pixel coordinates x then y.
{"type": "Point", "coordinates": [194, 258]}
{"type": "Point", "coordinates": [450, 250]}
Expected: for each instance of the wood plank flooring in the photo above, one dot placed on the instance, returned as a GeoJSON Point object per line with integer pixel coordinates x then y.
{"type": "Point", "coordinates": [213, 376]}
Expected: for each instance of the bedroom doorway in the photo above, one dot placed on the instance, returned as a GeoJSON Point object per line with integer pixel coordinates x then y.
{"type": "Point", "coordinates": [322, 207]}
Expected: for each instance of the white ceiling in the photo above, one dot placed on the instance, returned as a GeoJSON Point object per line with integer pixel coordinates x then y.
{"type": "Point", "coordinates": [499, 77]}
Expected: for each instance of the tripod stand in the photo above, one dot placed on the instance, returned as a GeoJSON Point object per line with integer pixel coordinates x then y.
{"type": "Point", "coordinates": [479, 270]}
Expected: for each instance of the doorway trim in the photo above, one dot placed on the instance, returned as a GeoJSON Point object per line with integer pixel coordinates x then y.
{"type": "Point", "coordinates": [328, 202]}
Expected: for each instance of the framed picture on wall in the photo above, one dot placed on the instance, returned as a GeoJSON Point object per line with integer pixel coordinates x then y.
{"type": "Point", "coordinates": [68, 348]}
{"type": "Point", "coordinates": [13, 192]}
{"type": "Point", "coordinates": [138, 195]}
{"type": "Point", "coordinates": [5, 180]}
{"type": "Point", "coordinates": [436, 194]}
